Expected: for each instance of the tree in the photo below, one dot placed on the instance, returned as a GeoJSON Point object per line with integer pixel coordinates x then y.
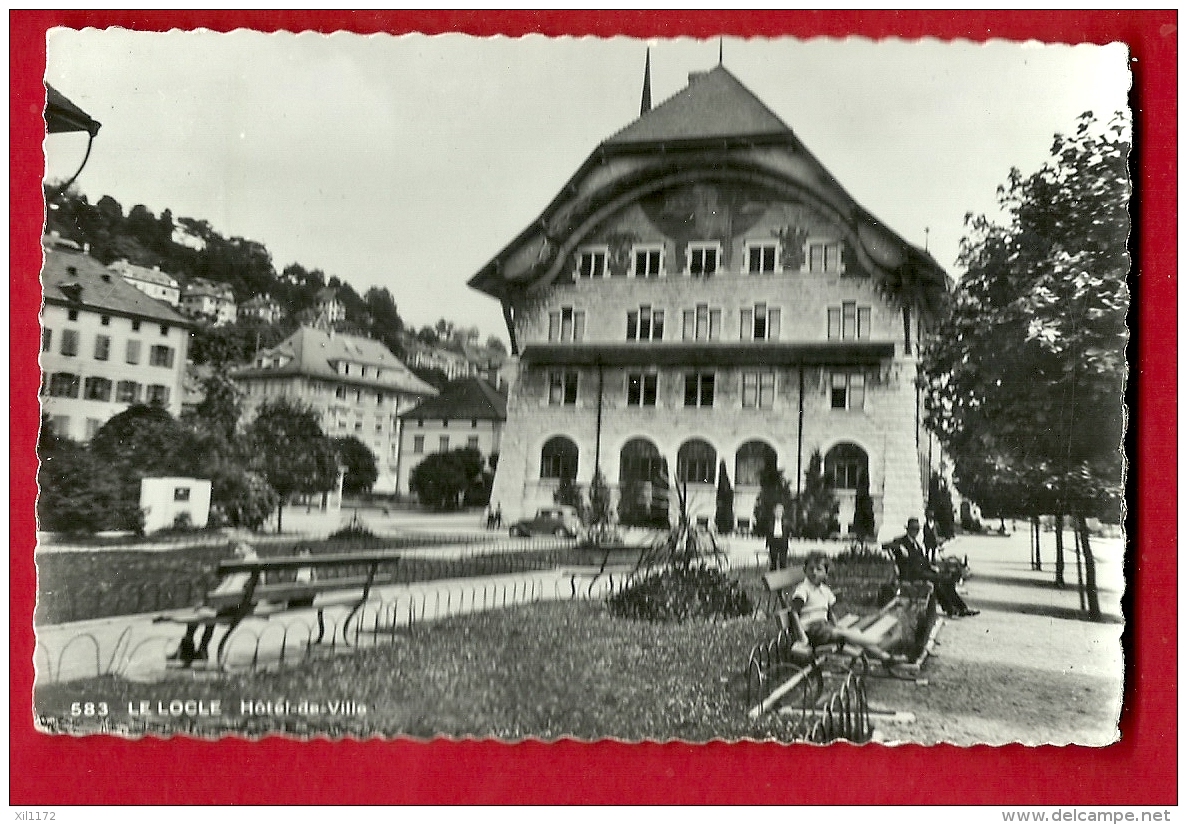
{"type": "Point", "coordinates": [600, 509]}
{"type": "Point", "coordinates": [773, 488]}
{"type": "Point", "coordinates": [443, 479]}
{"type": "Point", "coordinates": [723, 517]}
{"type": "Point", "coordinates": [817, 507]}
{"type": "Point", "coordinates": [241, 498]}
{"type": "Point", "coordinates": [221, 405]}
{"type": "Point", "coordinates": [863, 510]}
{"type": "Point", "coordinates": [80, 492]}
{"type": "Point", "coordinates": [1026, 375]}
{"type": "Point", "coordinates": [939, 502]}
{"type": "Point", "coordinates": [359, 461]}
{"type": "Point", "coordinates": [568, 493]}
{"type": "Point", "coordinates": [291, 452]}
{"type": "Point", "coordinates": [495, 344]}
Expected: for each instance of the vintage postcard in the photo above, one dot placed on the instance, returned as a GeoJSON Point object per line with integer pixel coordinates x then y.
{"type": "Point", "coordinates": [582, 388]}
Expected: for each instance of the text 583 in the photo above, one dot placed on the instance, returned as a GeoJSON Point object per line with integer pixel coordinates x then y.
{"type": "Point", "coordinates": [88, 709]}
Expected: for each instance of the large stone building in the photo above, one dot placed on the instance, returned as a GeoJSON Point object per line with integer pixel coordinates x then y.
{"type": "Point", "coordinates": [357, 386]}
{"type": "Point", "coordinates": [702, 293]}
{"type": "Point", "coordinates": [469, 412]}
{"type": "Point", "coordinates": [105, 345]}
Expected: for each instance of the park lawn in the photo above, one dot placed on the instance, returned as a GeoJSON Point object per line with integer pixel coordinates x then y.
{"type": "Point", "coordinates": [543, 671]}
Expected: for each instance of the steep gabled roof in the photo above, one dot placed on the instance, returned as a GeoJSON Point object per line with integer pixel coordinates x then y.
{"type": "Point", "coordinates": [313, 353]}
{"type": "Point", "coordinates": [713, 105]}
{"type": "Point", "coordinates": [466, 398]}
{"type": "Point", "coordinates": [90, 285]}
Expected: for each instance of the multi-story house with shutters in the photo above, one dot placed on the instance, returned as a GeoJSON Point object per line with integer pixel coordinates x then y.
{"type": "Point", "coordinates": [356, 385]}
{"type": "Point", "coordinates": [105, 345]}
{"type": "Point", "coordinates": [152, 282]}
{"type": "Point", "coordinates": [703, 294]}
{"type": "Point", "coordinates": [209, 301]}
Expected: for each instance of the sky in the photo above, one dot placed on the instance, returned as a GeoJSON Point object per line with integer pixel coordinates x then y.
{"type": "Point", "coordinates": [409, 162]}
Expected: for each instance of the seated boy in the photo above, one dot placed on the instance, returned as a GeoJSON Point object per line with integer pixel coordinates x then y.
{"type": "Point", "coordinates": [813, 601]}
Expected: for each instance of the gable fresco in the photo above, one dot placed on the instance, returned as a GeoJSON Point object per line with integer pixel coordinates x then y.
{"type": "Point", "coordinates": [729, 214]}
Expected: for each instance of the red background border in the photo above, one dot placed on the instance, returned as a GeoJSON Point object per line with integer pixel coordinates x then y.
{"type": "Point", "coordinates": [1141, 769]}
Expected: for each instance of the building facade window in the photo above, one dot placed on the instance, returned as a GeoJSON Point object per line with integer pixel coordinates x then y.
{"type": "Point", "coordinates": [64, 385]}
{"type": "Point", "coordinates": [97, 389]}
{"type": "Point", "coordinates": [443, 444]}
{"type": "Point", "coordinates": [696, 462]}
{"type": "Point", "coordinates": [72, 315]}
{"type": "Point", "coordinates": [105, 320]}
{"type": "Point", "coordinates": [698, 389]}
{"type": "Point", "coordinates": [181, 493]}
{"type": "Point", "coordinates": [472, 442]}
{"type": "Point", "coordinates": [591, 263]}
{"type": "Point", "coordinates": [47, 339]}
{"type": "Point", "coordinates": [703, 258]}
{"type": "Point", "coordinates": [127, 392]}
{"type": "Point", "coordinates": [641, 389]}
{"type": "Point", "coordinates": [160, 356]}
{"type": "Point", "coordinates": [647, 261]}
{"type": "Point", "coordinates": [418, 444]}
{"type": "Point", "coordinates": [702, 323]}
{"type": "Point", "coordinates": [645, 324]}
{"type": "Point", "coordinates": [93, 425]}
{"type": "Point", "coordinates": [135, 326]}
{"type": "Point", "coordinates": [132, 353]}
{"type": "Point", "coordinates": [164, 329]}
{"type": "Point", "coordinates": [70, 342]}
{"type": "Point", "coordinates": [558, 458]}
{"type": "Point", "coordinates": [848, 322]}
{"type": "Point", "coordinates": [760, 323]}
{"type": "Point", "coordinates": [848, 391]}
{"type": "Point", "coordinates": [566, 324]}
{"type": "Point", "coordinates": [102, 347]}
{"type": "Point", "coordinates": [845, 465]}
{"type": "Point", "coordinates": [761, 256]}
{"type": "Point", "coordinates": [824, 256]}
{"type": "Point", "coordinates": [60, 425]}
{"type": "Point", "coordinates": [753, 458]}
{"type": "Point", "coordinates": [158, 394]}
{"type": "Point", "coordinates": [562, 387]}
{"type": "Point", "coordinates": [758, 390]}
{"type": "Point", "coordinates": [340, 393]}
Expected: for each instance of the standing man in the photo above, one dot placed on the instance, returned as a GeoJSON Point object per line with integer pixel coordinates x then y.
{"type": "Point", "coordinates": [777, 538]}
{"type": "Point", "coordinates": [911, 560]}
{"type": "Point", "coordinates": [931, 542]}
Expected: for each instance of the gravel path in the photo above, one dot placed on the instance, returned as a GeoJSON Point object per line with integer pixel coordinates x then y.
{"type": "Point", "coordinates": [1029, 669]}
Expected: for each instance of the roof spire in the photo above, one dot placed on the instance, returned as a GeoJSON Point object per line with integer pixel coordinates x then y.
{"type": "Point", "coordinates": [720, 49]}
{"type": "Point", "coordinates": [645, 105]}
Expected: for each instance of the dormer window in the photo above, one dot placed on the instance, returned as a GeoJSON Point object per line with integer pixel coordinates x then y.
{"type": "Point", "coordinates": [647, 261]}
{"type": "Point", "coordinates": [824, 256]}
{"type": "Point", "coordinates": [761, 256]}
{"type": "Point", "coordinates": [703, 258]}
{"type": "Point", "coordinates": [591, 262]}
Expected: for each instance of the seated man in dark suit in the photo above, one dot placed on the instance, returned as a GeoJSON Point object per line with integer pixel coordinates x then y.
{"type": "Point", "coordinates": [913, 565]}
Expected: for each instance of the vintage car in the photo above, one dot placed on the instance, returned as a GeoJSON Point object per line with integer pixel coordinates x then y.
{"type": "Point", "coordinates": [559, 520]}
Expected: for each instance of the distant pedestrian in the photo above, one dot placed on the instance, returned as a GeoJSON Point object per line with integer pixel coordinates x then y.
{"type": "Point", "coordinates": [931, 540]}
{"type": "Point", "coordinates": [777, 538]}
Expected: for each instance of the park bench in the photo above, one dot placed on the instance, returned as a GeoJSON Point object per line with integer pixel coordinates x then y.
{"type": "Point", "coordinates": [779, 585]}
{"type": "Point", "coordinates": [334, 580]}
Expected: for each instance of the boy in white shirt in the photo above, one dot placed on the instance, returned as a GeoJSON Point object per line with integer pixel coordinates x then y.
{"type": "Point", "coordinates": [813, 601]}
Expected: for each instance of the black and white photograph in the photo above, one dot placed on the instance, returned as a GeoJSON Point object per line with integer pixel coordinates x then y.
{"type": "Point", "coordinates": [542, 388]}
